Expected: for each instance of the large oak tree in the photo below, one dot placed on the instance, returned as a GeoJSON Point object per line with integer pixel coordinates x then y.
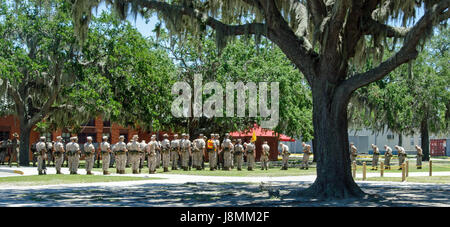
{"type": "Point", "coordinates": [321, 38]}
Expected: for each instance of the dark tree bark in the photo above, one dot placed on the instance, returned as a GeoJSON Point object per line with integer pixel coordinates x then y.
{"type": "Point", "coordinates": [334, 179]}
{"type": "Point", "coordinates": [400, 139]}
{"type": "Point", "coordinates": [24, 148]}
{"type": "Point", "coordinates": [314, 144]}
{"type": "Point", "coordinates": [425, 140]}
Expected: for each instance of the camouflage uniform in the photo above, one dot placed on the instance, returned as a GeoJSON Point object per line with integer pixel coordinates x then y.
{"type": "Point", "coordinates": [212, 155]}
{"type": "Point", "coordinates": [250, 153]}
{"type": "Point", "coordinates": [264, 159]}
{"type": "Point", "coordinates": [353, 153]}
{"type": "Point", "coordinates": [285, 154]}
{"type": "Point", "coordinates": [165, 151]}
{"type": "Point", "coordinates": [120, 151]}
{"type": "Point", "coordinates": [197, 155]}
{"type": "Point", "coordinates": [134, 149]}
{"type": "Point", "coordinates": [401, 156]}
{"type": "Point", "coordinates": [59, 154]}
{"type": "Point", "coordinates": [73, 152]}
{"type": "Point", "coordinates": [151, 154]}
{"type": "Point", "coordinates": [4, 151]}
{"type": "Point", "coordinates": [185, 153]}
{"type": "Point", "coordinates": [419, 157]}
{"type": "Point", "coordinates": [175, 152]}
{"type": "Point", "coordinates": [158, 155]}
{"type": "Point", "coordinates": [306, 153]}
{"type": "Point", "coordinates": [387, 158]}
{"type": "Point", "coordinates": [89, 153]}
{"type": "Point", "coordinates": [49, 153]}
{"type": "Point", "coordinates": [15, 142]}
{"type": "Point", "coordinates": [41, 152]}
{"type": "Point", "coordinates": [375, 157]}
{"type": "Point", "coordinates": [218, 152]}
{"type": "Point", "coordinates": [226, 153]}
{"type": "Point", "coordinates": [105, 149]}
{"type": "Point", "coordinates": [238, 151]}
{"type": "Point", "coordinates": [142, 155]}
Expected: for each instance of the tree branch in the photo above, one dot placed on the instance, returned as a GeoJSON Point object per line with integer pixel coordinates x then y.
{"type": "Point", "coordinates": [375, 27]}
{"type": "Point", "coordinates": [406, 53]}
{"type": "Point", "coordinates": [275, 29]}
{"type": "Point", "coordinates": [317, 10]}
{"type": "Point", "coordinates": [231, 30]}
{"type": "Point", "coordinates": [279, 32]}
{"type": "Point", "coordinates": [16, 97]}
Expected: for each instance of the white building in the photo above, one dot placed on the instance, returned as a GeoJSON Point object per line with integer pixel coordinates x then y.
{"type": "Point", "coordinates": [363, 138]}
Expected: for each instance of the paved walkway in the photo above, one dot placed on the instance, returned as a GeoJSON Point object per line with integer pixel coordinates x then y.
{"type": "Point", "coordinates": [192, 190]}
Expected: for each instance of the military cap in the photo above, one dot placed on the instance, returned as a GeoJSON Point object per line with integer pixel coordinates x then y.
{"type": "Point", "coordinates": [59, 138]}
{"type": "Point", "coordinates": [165, 135]}
{"type": "Point", "coordinates": [201, 135]}
{"type": "Point", "coordinates": [121, 137]}
{"type": "Point", "coordinates": [176, 135]}
{"type": "Point", "coordinates": [105, 137]}
{"type": "Point", "coordinates": [227, 134]}
{"type": "Point", "coordinates": [89, 138]}
{"type": "Point", "coordinates": [153, 136]}
{"type": "Point", "coordinates": [42, 138]}
{"type": "Point", "coordinates": [183, 134]}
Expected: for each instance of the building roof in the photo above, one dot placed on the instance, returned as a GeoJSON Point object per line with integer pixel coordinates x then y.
{"type": "Point", "coordinates": [261, 132]}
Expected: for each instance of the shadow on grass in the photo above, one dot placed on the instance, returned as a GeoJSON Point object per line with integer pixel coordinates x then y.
{"type": "Point", "coordinates": [217, 194]}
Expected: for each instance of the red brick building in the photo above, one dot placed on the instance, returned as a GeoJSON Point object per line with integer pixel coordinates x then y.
{"type": "Point", "coordinates": [95, 128]}
{"type": "Point", "coordinates": [262, 135]}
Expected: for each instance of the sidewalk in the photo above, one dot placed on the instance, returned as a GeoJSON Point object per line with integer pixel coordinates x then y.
{"type": "Point", "coordinates": [182, 179]}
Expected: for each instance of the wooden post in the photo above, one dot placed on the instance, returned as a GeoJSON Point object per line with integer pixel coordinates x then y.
{"type": "Point", "coordinates": [381, 169]}
{"type": "Point", "coordinates": [407, 168]}
{"type": "Point", "coordinates": [364, 170]}
{"type": "Point", "coordinates": [431, 167]}
{"type": "Point", "coordinates": [403, 172]}
{"type": "Point", "coordinates": [354, 169]}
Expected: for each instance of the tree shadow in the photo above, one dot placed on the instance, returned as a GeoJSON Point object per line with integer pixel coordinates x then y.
{"type": "Point", "coordinates": [217, 194]}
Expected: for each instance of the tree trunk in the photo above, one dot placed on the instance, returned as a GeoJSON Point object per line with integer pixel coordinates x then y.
{"type": "Point", "coordinates": [313, 146]}
{"type": "Point", "coordinates": [425, 140]}
{"type": "Point", "coordinates": [24, 148]}
{"type": "Point", "coordinates": [400, 139]}
{"type": "Point", "coordinates": [334, 178]}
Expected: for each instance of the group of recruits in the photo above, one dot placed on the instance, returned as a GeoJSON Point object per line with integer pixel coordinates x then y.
{"type": "Point", "coordinates": [10, 148]}
{"type": "Point", "coordinates": [165, 151]}
{"type": "Point", "coordinates": [388, 155]}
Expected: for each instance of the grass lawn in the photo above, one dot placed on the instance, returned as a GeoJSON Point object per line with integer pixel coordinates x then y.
{"type": "Point", "coordinates": [257, 172]}
{"type": "Point", "coordinates": [427, 179]}
{"type": "Point", "coordinates": [437, 167]}
{"type": "Point", "coordinates": [54, 179]}
{"type": "Point", "coordinates": [275, 171]}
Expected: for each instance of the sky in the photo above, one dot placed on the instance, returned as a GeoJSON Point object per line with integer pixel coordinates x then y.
{"type": "Point", "coordinates": [146, 28]}
{"type": "Point", "coordinates": [140, 22]}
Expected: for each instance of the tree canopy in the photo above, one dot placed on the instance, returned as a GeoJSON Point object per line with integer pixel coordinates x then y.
{"type": "Point", "coordinates": [247, 61]}
{"type": "Point", "coordinates": [325, 40]}
{"type": "Point", "coordinates": [413, 98]}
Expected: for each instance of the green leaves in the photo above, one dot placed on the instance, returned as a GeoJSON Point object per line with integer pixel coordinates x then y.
{"type": "Point", "coordinates": [409, 95]}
